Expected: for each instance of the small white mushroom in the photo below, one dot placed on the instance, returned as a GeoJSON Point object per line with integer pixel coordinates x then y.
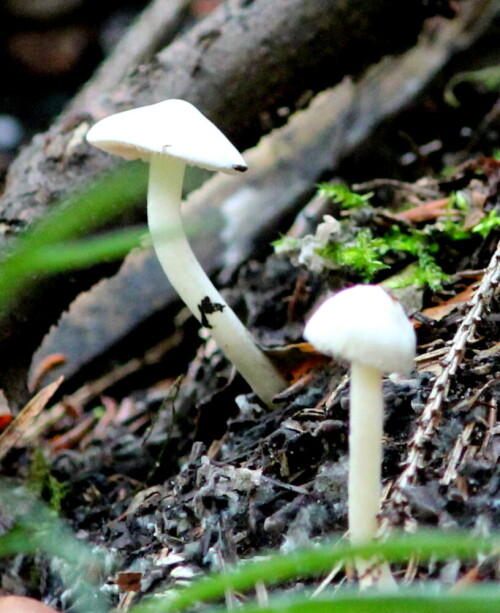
{"type": "Point", "coordinates": [365, 326]}
{"type": "Point", "coordinates": [170, 135]}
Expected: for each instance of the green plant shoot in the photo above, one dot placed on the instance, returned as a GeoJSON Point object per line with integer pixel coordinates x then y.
{"type": "Point", "coordinates": [340, 193]}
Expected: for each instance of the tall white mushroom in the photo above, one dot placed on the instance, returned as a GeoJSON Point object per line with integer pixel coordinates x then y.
{"type": "Point", "coordinates": [170, 135]}
{"type": "Point", "coordinates": [365, 326]}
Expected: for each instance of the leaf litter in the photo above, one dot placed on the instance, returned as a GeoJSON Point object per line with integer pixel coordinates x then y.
{"type": "Point", "coordinates": [196, 475]}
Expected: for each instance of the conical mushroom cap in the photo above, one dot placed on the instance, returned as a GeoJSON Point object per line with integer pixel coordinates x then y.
{"type": "Point", "coordinates": [364, 324]}
{"type": "Point", "coordinates": [172, 127]}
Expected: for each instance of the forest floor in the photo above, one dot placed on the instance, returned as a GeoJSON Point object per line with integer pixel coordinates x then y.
{"type": "Point", "coordinates": [194, 474]}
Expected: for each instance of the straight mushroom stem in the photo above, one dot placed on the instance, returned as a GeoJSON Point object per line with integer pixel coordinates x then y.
{"type": "Point", "coordinates": [179, 263]}
{"type": "Point", "coordinates": [365, 451]}
{"type": "Point", "coordinates": [366, 422]}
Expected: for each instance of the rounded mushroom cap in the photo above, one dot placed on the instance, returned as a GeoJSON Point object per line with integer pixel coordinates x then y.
{"type": "Point", "coordinates": [172, 127]}
{"type": "Point", "coordinates": [364, 324]}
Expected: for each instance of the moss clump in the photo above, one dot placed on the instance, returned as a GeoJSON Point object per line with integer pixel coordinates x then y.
{"type": "Point", "coordinates": [43, 484]}
{"type": "Point", "coordinates": [368, 250]}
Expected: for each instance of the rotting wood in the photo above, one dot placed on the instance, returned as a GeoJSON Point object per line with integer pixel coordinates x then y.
{"type": "Point", "coordinates": [154, 29]}
{"type": "Point", "coordinates": [247, 68]}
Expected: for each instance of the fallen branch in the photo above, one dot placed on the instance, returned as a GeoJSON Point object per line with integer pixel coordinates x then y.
{"type": "Point", "coordinates": [153, 30]}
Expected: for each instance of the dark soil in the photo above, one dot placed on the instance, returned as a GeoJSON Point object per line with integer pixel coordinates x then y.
{"type": "Point", "coordinates": [192, 475]}
{"type": "Point", "coordinates": [198, 477]}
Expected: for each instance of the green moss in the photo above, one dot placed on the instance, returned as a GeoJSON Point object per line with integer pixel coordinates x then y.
{"type": "Point", "coordinates": [362, 254]}
{"type": "Point", "coordinates": [487, 224]}
{"type": "Point", "coordinates": [409, 240]}
{"type": "Point", "coordinates": [43, 484]}
{"type": "Point", "coordinates": [368, 254]}
{"type": "Point", "coordinates": [340, 193]}
{"type": "Point", "coordinates": [285, 244]}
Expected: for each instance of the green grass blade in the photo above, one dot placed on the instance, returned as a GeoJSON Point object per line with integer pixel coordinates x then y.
{"type": "Point", "coordinates": [278, 568]}
{"type": "Point", "coordinates": [76, 217]}
{"type": "Point", "coordinates": [92, 208]}
{"type": "Point", "coordinates": [474, 601]}
{"type": "Point", "coordinates": [67, 255]}
{"type": "Point", "coordinates": [38, 529]}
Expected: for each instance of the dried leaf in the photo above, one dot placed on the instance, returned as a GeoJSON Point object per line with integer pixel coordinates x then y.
{"type": "Point", "coordinates": [5, 412]}
{"type": "Point", "coordinates": [476, 201]}
{"type": "Point", "coordinates": [5, 420]}
{"type": "Point", "coordinates": [294, 361]}
{"type": "Point", "coordinates": [440, 311]}
{"type": "Point", "coordinates": [423, 212]}
{"type": "Point", "coordinates": [129, 581]}
{"type": "Point", "coordinates": [35, 406]}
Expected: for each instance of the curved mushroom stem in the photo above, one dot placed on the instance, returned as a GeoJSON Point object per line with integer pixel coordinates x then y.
{"type": "Point", "coordinates": [179, 263]}
{"type": "Point", "coordinates": [366, 421]}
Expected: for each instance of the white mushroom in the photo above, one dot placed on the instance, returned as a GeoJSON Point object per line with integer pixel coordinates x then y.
{"type": "Point", "coordinates": [365, 326]}
{"type": "Point", "coordinates": [170, 135]}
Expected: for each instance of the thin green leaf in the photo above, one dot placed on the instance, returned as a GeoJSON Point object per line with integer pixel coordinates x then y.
{"type": "Point", "coordinates": [77, 216]}
{"type": "Point", "coordinates": [38, 529]}
{"type": "Point", "coordinates": [475, 601]}
{"type": "Point", "coordinates": [278, 568]}
{"type": "Point", "coordinates": [81, 254]}
{"type": "Point", "coordinates": [92, 208]}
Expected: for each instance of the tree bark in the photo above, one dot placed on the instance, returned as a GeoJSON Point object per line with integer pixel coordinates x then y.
{"type": "Point", "coordinates": [153, 30]}
{"type": "Point", "coordinates": [248, 67]}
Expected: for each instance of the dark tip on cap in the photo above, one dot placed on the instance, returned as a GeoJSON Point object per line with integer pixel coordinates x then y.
{"type": "Point", "coordinates": [240, 167]}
